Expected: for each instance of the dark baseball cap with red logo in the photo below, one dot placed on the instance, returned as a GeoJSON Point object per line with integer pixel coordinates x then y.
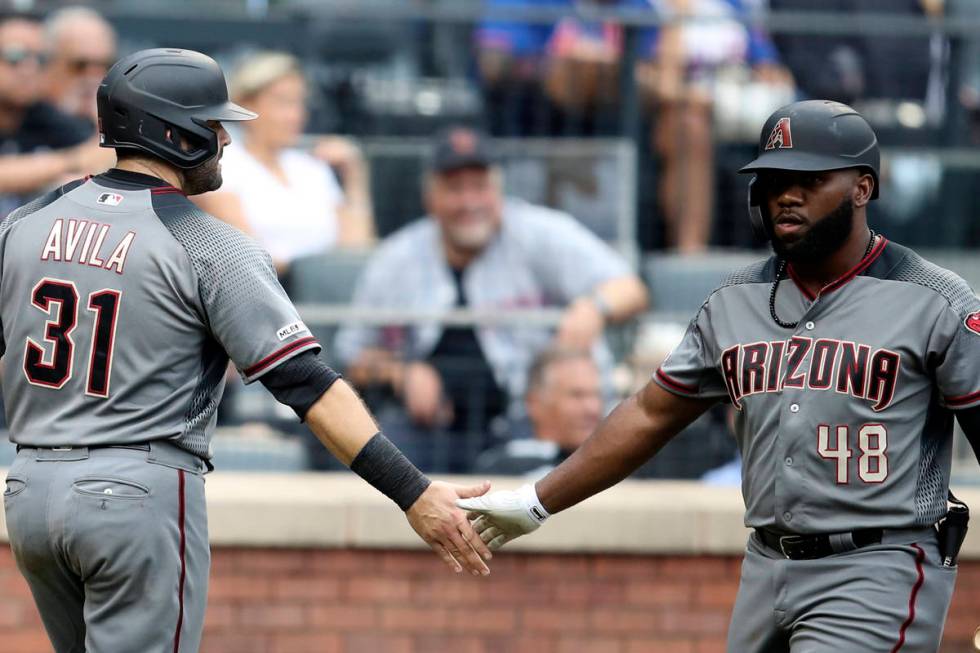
{"type": "Point", "coordinates": [461, 147]}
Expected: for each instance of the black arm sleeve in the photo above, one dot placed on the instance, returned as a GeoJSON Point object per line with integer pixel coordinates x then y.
{"type": "Point", "coordinates": [969, 420]}
{"type": "Point", "coordinates": [300, 381]}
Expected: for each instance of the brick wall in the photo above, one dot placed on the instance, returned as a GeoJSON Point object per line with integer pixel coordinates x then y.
{"type": "Point", "coordinates": [361, 601]}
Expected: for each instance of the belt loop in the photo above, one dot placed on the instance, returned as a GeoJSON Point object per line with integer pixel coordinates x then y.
{"type": "Point", "coordinates": [63, 454]}
{"type": "Point", "coordinates": [842, 542]}
{"type": "Point", "coordinates": [168, 454]}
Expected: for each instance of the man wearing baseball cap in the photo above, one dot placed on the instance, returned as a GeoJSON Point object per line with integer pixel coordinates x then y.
{"type": "Point", "coordinates": [477, 249]}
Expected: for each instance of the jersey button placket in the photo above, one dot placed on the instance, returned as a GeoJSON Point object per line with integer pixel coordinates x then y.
{"type": "Point", "coordinates": [788, 474]}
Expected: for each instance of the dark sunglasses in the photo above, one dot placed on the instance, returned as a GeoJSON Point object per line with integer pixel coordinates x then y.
{"type": "Point", "coordinates": [79, 66]}
{"type": "Point", "coordinates": [15, 56]}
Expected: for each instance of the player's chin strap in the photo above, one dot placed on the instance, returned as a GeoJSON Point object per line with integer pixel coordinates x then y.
{"type": "Point", "coordinates": [952, 530]}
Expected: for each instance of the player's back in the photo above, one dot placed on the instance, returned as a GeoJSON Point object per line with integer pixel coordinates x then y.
{"type": "Point", "coordinates": [106, 332]}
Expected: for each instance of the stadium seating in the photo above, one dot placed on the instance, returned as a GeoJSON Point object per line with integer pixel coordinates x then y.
{"type": "Point", "coordinates": [325, 279]}
{"type": "Point", "coordinates": [679, 284]}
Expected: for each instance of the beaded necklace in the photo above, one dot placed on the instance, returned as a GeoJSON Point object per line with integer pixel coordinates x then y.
{"type": "Point", "coordinates": [779, 275]}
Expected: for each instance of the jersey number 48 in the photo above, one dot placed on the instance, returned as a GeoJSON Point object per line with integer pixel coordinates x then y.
{"type": "Point", "coordinates": [50, 365]}
{"type": "Point", "coordinates": [872, 441]}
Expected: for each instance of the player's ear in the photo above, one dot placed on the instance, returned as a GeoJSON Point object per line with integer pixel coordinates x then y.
{"type": "Point", "coordinates": [863, 187]}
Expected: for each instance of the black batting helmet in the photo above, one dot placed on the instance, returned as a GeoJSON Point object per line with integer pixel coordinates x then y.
{"type": "Point", "coordinates": [152, 99]}
{"type": "Point", "coordinates": [813, 135]}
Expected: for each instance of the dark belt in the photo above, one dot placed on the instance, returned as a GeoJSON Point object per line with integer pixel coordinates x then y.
{"type": "Point", "coordinates": [811, 547]}
{"type": "Point", "coordinates": [145, 446]}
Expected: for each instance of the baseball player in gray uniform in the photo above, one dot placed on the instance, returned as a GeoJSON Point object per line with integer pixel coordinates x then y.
{"type": "Point", "coordinates": [121, 303]}
{"type": "Point", "coordinates": [847, 357]}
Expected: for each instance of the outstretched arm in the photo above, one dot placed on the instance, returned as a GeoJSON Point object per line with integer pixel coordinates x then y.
{"type": "Point", "coordinates": [341, 421]}
{"type": "Point", "coordinates": [637, 429]}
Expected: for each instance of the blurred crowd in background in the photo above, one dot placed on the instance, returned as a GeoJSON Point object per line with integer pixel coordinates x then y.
{"type": "Point", "coordinates": [497, 222]}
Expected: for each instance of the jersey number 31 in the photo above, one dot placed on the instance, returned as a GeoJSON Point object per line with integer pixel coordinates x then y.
{"type": "Point", "coordinates": [50, 365]}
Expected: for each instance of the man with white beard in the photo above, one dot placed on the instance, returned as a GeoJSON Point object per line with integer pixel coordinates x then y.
{"type": "Point", "coordinates": [477, 249]}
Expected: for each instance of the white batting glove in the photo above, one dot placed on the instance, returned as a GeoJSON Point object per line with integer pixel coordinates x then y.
{"type": "Point", "coordinates": [504, 515]}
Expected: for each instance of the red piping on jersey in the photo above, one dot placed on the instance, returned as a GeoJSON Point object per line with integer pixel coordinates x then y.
{"type": "Point", "coordinates": [166, 190]}
{"type": "Point", "coordinates": [799, 284]}
{"type": "Point", "coordinates": [278, 354]}
{"type": "Point", "coordinates": [962, 399]}
{"type": "Point", "coordinates": [919, 557]}
{"type": "Point", "coordinates": [862, 265]}
{"type": "Point", "coordinates": [183, 562]}
{"type": "Point", "coordinates": [675, 384]}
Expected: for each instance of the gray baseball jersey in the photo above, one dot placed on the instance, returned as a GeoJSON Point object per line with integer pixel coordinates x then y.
{"type": "Point", "coordinates": [844, 422]}
{"type": "Point", "coordinates": [120, 304]}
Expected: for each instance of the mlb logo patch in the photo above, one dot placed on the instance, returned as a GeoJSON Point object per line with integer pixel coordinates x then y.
{"type": "Point", "coordinates": [291, 330]}
{"type": "Point", "coordinates": [109, 199]}
{"type": "Point", "coordinates": [781, 136]}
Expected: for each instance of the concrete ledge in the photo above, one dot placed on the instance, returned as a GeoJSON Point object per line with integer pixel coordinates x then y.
{"type": "Point", "coordinates": [341, 511]}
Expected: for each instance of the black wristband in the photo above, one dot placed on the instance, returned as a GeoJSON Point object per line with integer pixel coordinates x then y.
{"type": "Point", "coordinates": [380, 463]}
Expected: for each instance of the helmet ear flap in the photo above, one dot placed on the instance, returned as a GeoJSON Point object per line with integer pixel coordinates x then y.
{"type": "Point", "coordinates": [756, 204]}
{"type": "Point", "coordinates": [186, 142]}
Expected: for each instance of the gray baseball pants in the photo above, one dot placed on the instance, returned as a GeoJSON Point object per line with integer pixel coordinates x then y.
{"type": "Point", "coordinates": [887, 598]}
{"type": "Point", "coordinates": [114, 545]}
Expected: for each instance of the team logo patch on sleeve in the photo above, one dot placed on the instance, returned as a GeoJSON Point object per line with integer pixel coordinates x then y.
{"type": "Point", "coordinates": [291, 330]}
{"type": "Point", "coordinates": [972, 322]}
{"type": "Point", "coordinates": [781, 137]}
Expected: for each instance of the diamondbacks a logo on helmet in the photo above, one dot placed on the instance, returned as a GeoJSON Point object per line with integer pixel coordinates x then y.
{"type": "Point", "coordinates": [781, 137]}
{"type": "Point", "coordinates": [972, 322]}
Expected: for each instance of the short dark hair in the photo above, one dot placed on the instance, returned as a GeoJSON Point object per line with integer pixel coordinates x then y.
{"type": "Point", "coordinates": [552, 356]}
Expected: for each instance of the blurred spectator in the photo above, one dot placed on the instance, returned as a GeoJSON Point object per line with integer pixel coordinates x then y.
{"type": "Point", "coordinates": [564, 404]}
{"type": "Point", "coordinates": [706, 443]}
{"type": "Point", "coordinates": [968, 61]}
{"type": "Point", "coordinates": [39, 145]}
{"type": "Point", "coordinates": [826, 65]}
{"type": "Point", "coordinates": [729, 473]}
{"type": "Point", "coordinates": [289, 200]}
{"type": "Point", "coordinates": [509, 58]}
{"type": "Point", "coordinates": [702, 52]}
{"type": "Point", "coordinates": [555, 79]}
{"type": "Point", "coordinates": [705, 56]}
{"type": "Point", "coordinates": [858, 68]}
{"type": "Point", "coordinates": [81, 47]}
{"type": "Point", "coordinates": [582, 74]}
{"type": "Point", "coordinates": [478, 250]}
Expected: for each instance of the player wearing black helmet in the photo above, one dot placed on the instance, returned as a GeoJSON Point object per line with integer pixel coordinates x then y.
{"type": "Point", "coordinates": [847, 358]}
{"type": "Point", "coordinates": [121, 303]}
